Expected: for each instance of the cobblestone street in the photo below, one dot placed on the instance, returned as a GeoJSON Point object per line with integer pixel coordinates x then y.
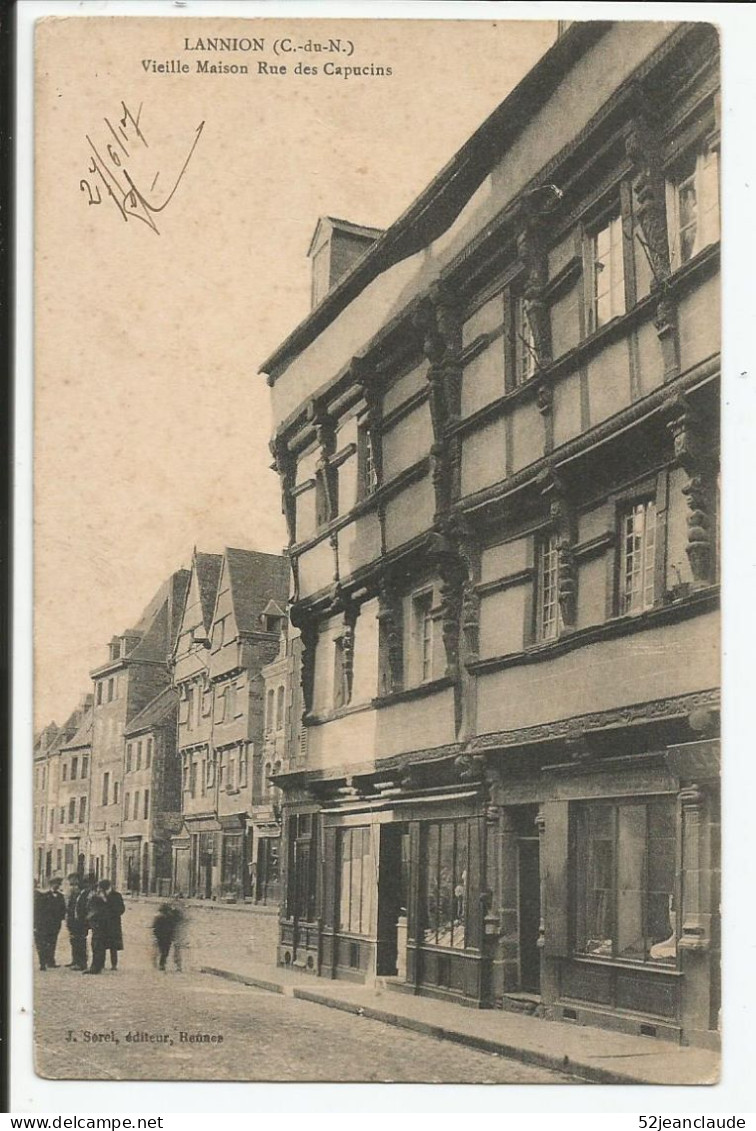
{"type": "Point", "coordinates": [102, 1030]}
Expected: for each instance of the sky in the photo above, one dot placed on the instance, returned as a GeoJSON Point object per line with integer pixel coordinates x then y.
{"type": "Point", "coordinates": [151, 421]}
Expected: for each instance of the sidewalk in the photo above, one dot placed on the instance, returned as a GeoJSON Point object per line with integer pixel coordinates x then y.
{"type": "Point", "coordinates": [595, 1055]}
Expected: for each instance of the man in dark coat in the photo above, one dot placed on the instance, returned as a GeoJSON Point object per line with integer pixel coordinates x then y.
{"type": "Point", "coordinates": [49, 913]}
{"type": "Point", "coordinates": [114, 911]}
{"type": "Point", "coordinates": [77, 929]}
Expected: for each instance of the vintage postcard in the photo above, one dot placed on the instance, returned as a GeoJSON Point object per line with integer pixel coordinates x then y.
{"type": "Point", "coordinates": [377, 554]}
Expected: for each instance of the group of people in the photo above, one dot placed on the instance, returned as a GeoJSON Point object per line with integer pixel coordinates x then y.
{"type": "Point", "coordinates": [92, 907]}
{"type": "Point", "coordinates": [96, 908]}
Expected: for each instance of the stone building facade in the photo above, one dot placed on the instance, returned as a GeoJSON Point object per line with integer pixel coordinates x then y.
{"type": "Point", "coordinates": [228, 633]}
{"type": "Point", "coordinates": [497, 439]}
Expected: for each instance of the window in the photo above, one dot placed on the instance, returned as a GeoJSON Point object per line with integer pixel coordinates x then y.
{"type": "Point", "coordinates": [105, 788]}
{"type": "Point", "coordinates": [231, 781]}
{"type": "Point", "coordinates": [65, 771]}
{"type": "Point", "coordinates": [193, 778]}
{"type": "Point", "coordinates": [280, 709]}
{"type": "Point", "coordinates": [62, 814]}
{"type": "Point", "coordinates": [637, 558]}
{"type": "Point", "coordinates": [230, 694]}
{"type": "Point", "coordinates": [129, 753]}
{"type": "Point", "coordinates": [693, 205]}
{"type": "Point", "coordinates": [139, 755]}
{"type": "Point", "coordinates": [84, 765]}
{"type": "Point", "coordinates": [52, 819]}
{"type": "Point", "coordinates": [357, 881]}
{"type": "Point", "coordinates": [127, 806]}
{"type": "Point", "coordinates": [146, 810]}
{"type": "Point", "coordinates": [605, 281]}
{"type": "Point", "coordinates": [116, 787]}
{"type": "Point", "coordinates": [422, 610]}
{"type": "Point", "coordinates": [547, 592]}
{"type": "Point", "coordinates": [111, 690]}
{"type": "Point", "coordinates": [99, 694]}
{"type": "Point", "coordinates": [326, 495]}
{"type": "Point", "coordinates": [341, 689]}
{"type": "Point", "coordinates": [74, 767]}
{"type": "Point", "coordinates": [524, 342]}
{"type": "Point", "coordinates": [302, 870]}
{"type": "Point", "coordinates": [626, 880]}
{"type": "Point", "coordinates": [135, 814]}
{"type": "Point", "coordinates": [444, 883]}
{"type": "Point", "coordinates": [367, 462]}
{"type": "Point", "coordinates": [269, 710]}
{"type": "Point", "coordinates": [82, 810]}
{"type": "Point", "coordinates": [219, 629]}
{"type": "Point", "coordinates": [72, 811]}
{"type": "Point", "coordinates": [190, 695]}
{"type": "Point", "coordinates": [242, 768]}
{"type": "Point", "coordinates": [148, 754]}
{"type": "Point", "coordinates": [210, 773]}
{"type": "Point", "coordinates": [185, 775]}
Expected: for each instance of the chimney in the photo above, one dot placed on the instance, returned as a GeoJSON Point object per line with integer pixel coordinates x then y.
{"type": "Point", "coordinates": [335, 248]}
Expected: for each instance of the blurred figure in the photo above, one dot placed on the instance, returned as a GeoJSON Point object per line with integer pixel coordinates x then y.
{"type": "Point", "coordinates": [115, 910]}
{"type": "Point", "coordinates": [164, 928]}
{"type": "Point", "coordinates": [77, 931]}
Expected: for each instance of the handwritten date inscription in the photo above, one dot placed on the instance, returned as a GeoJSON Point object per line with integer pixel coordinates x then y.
{"type": "Point", "coordinates": [115, 157]}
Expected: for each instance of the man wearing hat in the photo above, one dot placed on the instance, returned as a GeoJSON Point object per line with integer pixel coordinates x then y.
{"type": "Point", "coordinates": [50, 913]}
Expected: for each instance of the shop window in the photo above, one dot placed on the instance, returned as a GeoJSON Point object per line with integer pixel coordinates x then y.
{"type": "Point", "coordinates": [605, 274]}
{"type": "Point", "coordinates": [356, 881]}
{"type": "Point", "coordinates": [445, 879]}
{"type": "Point", "coordinates": [693, 205]}
{"type": "Point", "coordinates": [547, 588]}
{"type": "Point", "coordinates": [302, 867]}
{"type": "Point", "coordinates": [422, 637]}
{"type": "Point", "coordinates": [637, 559]}
{"type": "Point", "coordinates": [625, 880]}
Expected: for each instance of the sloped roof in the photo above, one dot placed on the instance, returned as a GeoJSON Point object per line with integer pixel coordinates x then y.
{"type": "Point", "coordinates": [83, 735]}
{"type": "Point", "coordinates": [159, 622]}
{"type": "Point", "coordinates": [157, 711]}
{"type": "Point", "coordinates": [255, 579]}
{"type": "Point", "coordinates": [207, 568]}
{"type": "Point", "coordinates": [344, 226]}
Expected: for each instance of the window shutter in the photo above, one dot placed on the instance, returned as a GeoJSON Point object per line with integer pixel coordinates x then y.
{"type": "Point", "coordinates": [555, 876]}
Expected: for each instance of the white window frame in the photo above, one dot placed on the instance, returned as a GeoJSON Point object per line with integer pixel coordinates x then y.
{"type": "Point", "coordinates": [606, 293]}
{"type": "Point", "coordinates": [703, 176]}
{"type": "Point", "coordinates": [547, 612]}
{"type": "Point", "coordinates": [637, 564]}
{"type": "Point", "coordinates": [423, 634]}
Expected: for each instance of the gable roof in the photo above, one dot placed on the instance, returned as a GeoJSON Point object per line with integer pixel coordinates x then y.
{"type": "Point", "coordinates": [83, 735]}
{"type": "Point", "coordinates": [255, 579]}
{"type": "Point", "coordinates": [207, 568]}
{"type": "Point", "coordinates": [157, 711]}
{"type": "Point", "coordinates": [160, 621]}
{"type": "Point", "coordinates": [347, 226]}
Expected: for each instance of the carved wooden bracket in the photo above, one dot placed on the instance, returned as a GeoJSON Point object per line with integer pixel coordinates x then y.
{"type": "Point", "coordinates": [306, 622]}
{"type": "Point", "coordinates": [390, 643]}
{"type": "Point", "coordinates": [642, 147]}
{"type": "Point", "coordinates": [694, 456]}
{"type": "Point", "coordinates": [470, 767]}
{"type": "Point", "coordinates": [366, 378]}
{"type": "Point", "coordinates": [285, 464]}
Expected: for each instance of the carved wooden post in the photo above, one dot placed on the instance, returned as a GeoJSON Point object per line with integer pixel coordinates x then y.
{"type": "Point", "coordinates": [325, 433]}
{"type": "Point", "coordinates": [285, 464]}
{"type": "Point", "coordinates": [642, 147]}
{"type": "Point", "coordinates": [540, 823]}
{"type": "Point", "coordinates": [693, 456]}
{"type": "Point", "coordinates": [390, 663]}
{"type": "Point", "coordinates": [531, 250]}
{"type": "Point", "coordinates": [563, 523]}
{"type": "Point", "coordinates": [307, 624]}
{"type": "Point", "coordinates": [694, 932]}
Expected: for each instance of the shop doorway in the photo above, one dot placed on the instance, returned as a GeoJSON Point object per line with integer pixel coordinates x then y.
{"type": "Point", "coordinates": [529, 900]}
{"type": "Point", "coordinates": [393, 866]}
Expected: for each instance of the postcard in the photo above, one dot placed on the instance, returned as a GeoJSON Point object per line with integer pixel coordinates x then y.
{"type": "Point", "coordinates": [377, 552]}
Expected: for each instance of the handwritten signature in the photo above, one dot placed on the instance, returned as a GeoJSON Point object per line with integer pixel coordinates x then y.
{"type": "Point", "coordinates": [107, 170]}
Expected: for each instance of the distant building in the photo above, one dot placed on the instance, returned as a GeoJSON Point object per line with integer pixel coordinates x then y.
{"type": "Point", "coordinates": [43, 803]}
{"type": "Point", "coordinates": [136, 671]}
{"type": "Point", "coordinates": [226, 637]}
{"type": "Point", "coordinates": [72, 773]}
{"type": "Point", "coordinates": [151, 795]}
{"type": "Point", "coordinates": [497, 440]}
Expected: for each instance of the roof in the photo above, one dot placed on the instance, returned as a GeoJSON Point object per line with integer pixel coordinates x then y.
{"type": "Point", "coordinates": [207, 567]}
{"type": "Point", "coordinates": [158, 711]}
{"type": "Point", "coordinates": [436, 208]}
{"type": "Point", "coordinates": [344, 226]}
{"type": "Point", "coordinates": [83, 735]}
{"type": "Point", "coordinates": [255, 579]}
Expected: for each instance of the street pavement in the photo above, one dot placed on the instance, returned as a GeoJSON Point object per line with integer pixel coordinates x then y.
{"type": "Point", "coordinates": [140, 1023]}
